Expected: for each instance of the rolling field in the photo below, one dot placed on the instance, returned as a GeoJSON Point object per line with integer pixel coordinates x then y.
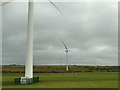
{"type": "Point", "coordinates": [65, 80]}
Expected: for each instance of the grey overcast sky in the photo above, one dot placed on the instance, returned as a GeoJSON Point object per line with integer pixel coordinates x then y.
{"type": "Point", "coordinates": [90, 29]}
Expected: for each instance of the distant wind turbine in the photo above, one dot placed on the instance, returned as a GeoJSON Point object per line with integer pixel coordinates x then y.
{"type": "Point", "coordinates": [66, 50]}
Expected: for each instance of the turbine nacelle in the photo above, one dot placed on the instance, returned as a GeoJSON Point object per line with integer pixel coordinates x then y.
{"type": "Point", "coordinates": [66, 51]}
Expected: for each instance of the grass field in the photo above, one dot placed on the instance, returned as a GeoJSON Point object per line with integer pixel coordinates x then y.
{"type": "Point", "coordinates": [66, 80]}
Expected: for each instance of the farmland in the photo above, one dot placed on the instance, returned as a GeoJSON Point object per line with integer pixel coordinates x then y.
{"type": "Point", "coordinates": [58, 68]}
{"type": "Point", "coordinates": [66, 80]}
{"type": "Point", "coordinates": [57, 77]}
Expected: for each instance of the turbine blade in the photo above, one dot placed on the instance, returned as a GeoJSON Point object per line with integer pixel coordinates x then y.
{"type": "Point", "coordinates": [56, 7]}
{"type": "Point", "coordinates": [64, 45]}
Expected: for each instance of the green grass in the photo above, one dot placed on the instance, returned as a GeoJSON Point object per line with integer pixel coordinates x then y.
{"type": "Point", "coordinates": [66, 80]}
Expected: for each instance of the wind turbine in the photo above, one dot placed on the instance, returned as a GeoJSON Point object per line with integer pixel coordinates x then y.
{"type": "Point", "coordinates": [29, 55]}
{"type": "Point", "coordinates": [66, 50]}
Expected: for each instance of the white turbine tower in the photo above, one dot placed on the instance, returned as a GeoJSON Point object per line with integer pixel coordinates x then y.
{"type": "Point", "coordinates": [29, 55]}
{"type": "Point", "coordinates": [66, 50]}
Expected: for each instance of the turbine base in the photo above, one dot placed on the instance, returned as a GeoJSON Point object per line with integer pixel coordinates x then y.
{"type": "Point", "coordinates": [25, 80]}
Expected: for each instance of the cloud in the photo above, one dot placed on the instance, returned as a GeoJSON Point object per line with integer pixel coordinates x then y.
{"type": "Point", "coordinates": [90, 29]}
